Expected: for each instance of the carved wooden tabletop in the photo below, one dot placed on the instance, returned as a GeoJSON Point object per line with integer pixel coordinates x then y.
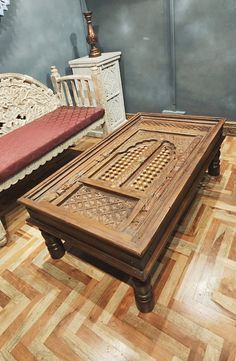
{"type": "Point", "coordinates": [120, 200]}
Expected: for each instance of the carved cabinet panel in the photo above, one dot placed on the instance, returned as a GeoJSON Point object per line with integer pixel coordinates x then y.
{"type": "Point", "coordinates": [109, 83]}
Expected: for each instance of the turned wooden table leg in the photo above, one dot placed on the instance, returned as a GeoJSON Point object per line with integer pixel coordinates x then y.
{"type": "Point", "coordinates": [214, 167]}
{"type": "Point", "coordinates": [3, 235]}
{"type": "Point", "coordinates": [54, 245]}
{"type": "Point", "coordinates": [143, 295]}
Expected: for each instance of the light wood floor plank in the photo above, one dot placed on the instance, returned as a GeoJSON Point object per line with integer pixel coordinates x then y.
{"type": "Point", "coordinates": [69, 310]}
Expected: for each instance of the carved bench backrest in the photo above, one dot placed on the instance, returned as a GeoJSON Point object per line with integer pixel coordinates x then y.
{"type": "Point", "coordinates": [23, 99]}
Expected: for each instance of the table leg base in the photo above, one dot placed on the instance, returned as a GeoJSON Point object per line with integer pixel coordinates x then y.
{"type": "Point", "coordinates": [3, 235]}
{"type": "Point", "coordinates": [54, 245]}
{"type": "Point", "coordinates": [3, 241]}
{"type": "Point", "coordinates": [143, 295]}
{"type": "Point", "coordinates": [214, 167]}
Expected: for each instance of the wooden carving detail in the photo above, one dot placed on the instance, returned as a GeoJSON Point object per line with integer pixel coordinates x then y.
{"type": "Point", "coordinates": [123, 176]}
{"type": "Point", "coordinates": [110, 80]}
{"type": "Point", "coordinates": [173, 125]}
{"type": "Point", "coordinates": [57, 191]}
{"type": "Point", "coordinates": [125, 163]}
{"type": "Point", "coordinates": [114, 110]}
{"type": "Point", "coordinates": [106, 208]}
{"type": "Point", "coordinates": [23, 99]}
{"type": "Point", "coordinates": [140, 165]}
{"type": "Point", "coordinates": [156, 168]}
{"type": "Point", "coordinates": [133, 189]}
{"type": "Point", "coordinates": [4, 6]}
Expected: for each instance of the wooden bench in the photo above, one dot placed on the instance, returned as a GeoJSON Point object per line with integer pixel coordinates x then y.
{"type": "Point", "coordinates": [36, 124]}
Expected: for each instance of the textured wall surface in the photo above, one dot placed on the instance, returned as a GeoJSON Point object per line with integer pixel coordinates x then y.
{"type": "Point", "coordinates": [205, 52]}
{"type": "Point", "coordinates": [206, 56]}
{"type": "Point", "coordinates": [139, 29]}
{"type": "Point", "coordinates": [37, 34]}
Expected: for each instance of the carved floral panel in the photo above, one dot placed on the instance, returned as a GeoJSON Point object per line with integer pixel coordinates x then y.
{"type": "Point", "coordinates": [23, 99]}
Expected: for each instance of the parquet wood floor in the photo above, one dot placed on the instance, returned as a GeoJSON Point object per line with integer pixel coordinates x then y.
{"type": "Point", "coordinates": [67, 310]}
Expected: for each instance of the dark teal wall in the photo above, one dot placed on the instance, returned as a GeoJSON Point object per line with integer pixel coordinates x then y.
{"type": "Point", "coordinates": [37, 34]}
{"type": "Point", "coordinates": [205, 52]}
{"type": "Point", "coordinates": [206, 56]}
{"type": "Point", "coordinates": [139, 29]}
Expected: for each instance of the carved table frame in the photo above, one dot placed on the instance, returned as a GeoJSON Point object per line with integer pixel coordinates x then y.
{"type": "Point", "coordinates": [142, 179]}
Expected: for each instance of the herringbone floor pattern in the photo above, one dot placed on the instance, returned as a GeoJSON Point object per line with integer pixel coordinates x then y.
{"type": "Point", "coordinates": [67, 310]}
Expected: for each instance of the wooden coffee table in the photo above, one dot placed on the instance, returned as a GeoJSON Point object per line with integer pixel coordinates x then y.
{"type": "Point", "coordinates": [119, 202]}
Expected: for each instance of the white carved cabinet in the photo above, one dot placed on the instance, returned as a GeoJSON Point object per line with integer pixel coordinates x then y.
{"type": "Point", "coordinates": [107, 71]}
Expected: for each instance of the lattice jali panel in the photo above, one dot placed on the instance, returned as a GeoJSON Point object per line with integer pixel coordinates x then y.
{"type": "Point", "coordinates": [141, 165]}
{"type": "Point", "coordinates": [154, 168]}
{"type": "Point", "coordinates": [125, 164]}
{"type": "Point", "coordinates": [104, 207]}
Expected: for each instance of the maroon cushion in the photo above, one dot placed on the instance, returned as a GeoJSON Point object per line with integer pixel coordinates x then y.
{"type": "Point", "coordinates": [28, 143]}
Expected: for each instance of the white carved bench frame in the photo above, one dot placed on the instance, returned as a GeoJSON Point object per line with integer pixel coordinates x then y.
{"type": "Point", "coordinates": [23, 99]}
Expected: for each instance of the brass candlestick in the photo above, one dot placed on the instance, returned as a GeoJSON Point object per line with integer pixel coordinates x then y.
{"type": "Point", "coordinates": [91, 37]}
